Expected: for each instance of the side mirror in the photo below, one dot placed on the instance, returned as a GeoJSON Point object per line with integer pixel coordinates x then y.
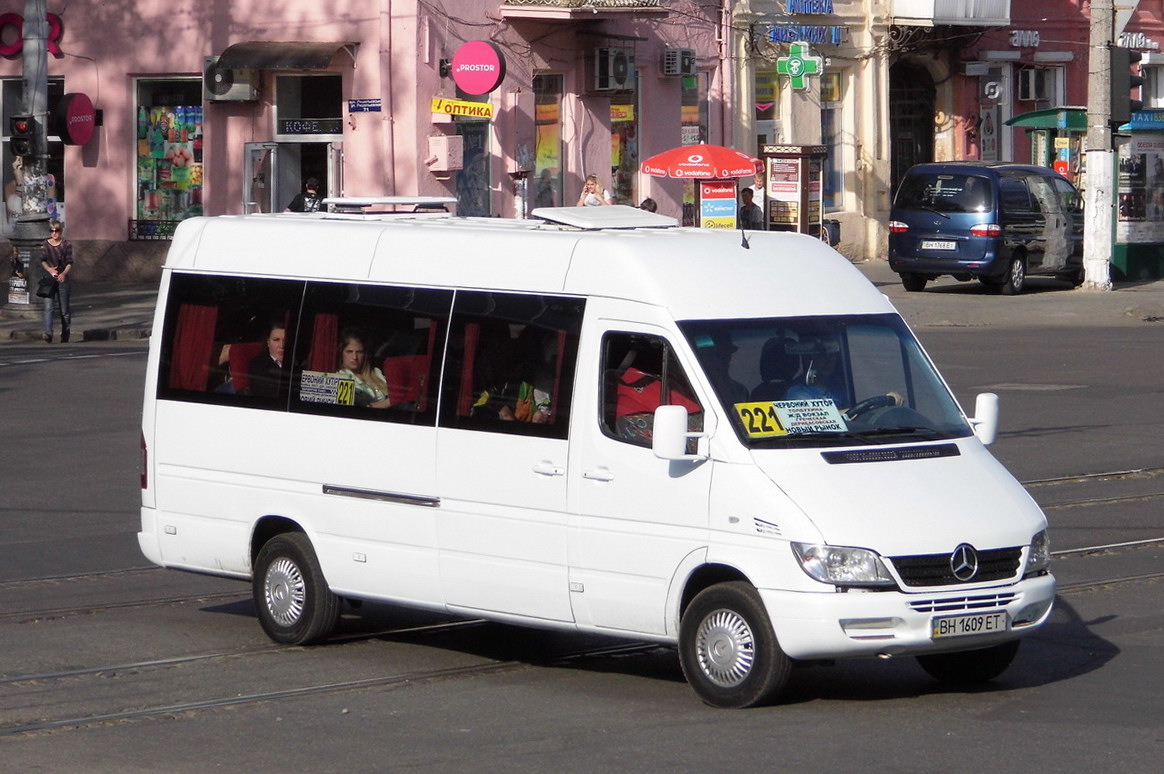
{"type": "Point", "coordinates": [669, 435]}
{"type": "Point", "coordinates": [985, 419]}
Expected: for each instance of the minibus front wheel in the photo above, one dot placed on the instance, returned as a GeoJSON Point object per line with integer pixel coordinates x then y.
{"type": "Point", "coordinates": [728, 650]}
{"type": "Point", "coordinates": [294, 604]}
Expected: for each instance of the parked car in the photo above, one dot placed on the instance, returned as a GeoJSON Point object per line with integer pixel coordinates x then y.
{"type": "Point", "coordinates": [994, 222]}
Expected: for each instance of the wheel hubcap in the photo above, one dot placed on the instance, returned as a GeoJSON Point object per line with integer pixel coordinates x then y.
{"type": "Point", "coordinates": [725, 648]}
{"type": "Point", "coordinates": [284, 591]}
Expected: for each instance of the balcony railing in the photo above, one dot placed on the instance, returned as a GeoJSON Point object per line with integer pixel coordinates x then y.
{"type": "Point", "coordinates": [958, 13]}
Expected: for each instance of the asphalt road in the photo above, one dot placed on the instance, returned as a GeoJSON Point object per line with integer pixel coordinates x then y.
{"type": "Point", "coordinates": [109, 665]}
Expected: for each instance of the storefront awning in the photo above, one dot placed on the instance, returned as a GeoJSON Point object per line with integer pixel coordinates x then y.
{"type": "Point", "coordinates": [282, 55]}
{"type": "Point", "coordinates": [1073, 118]}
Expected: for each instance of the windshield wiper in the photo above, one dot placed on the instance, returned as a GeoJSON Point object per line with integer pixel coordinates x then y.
{"type": "Point", "coordinates": [872, 435]}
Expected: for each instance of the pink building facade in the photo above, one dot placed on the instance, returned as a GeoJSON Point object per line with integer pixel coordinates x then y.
{"type": "Point", "coordinates": [228, 107]}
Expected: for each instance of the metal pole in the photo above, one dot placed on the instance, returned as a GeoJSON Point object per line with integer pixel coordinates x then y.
{"type": "Point", "coordinates": [1099, 196]}
{"type": "Point", "coordinates": [31, 227]}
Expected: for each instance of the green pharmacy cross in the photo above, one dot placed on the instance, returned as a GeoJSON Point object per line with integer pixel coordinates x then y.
{"type": "Point", "coordinates": [799, 64]}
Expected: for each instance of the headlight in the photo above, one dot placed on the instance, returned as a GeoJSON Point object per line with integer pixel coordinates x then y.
{"type": "Point", "coordinates": [1039, 553]}
{"type": "Point", "coordinates": [841, 565]}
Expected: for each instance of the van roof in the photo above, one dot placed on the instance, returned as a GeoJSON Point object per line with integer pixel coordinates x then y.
{"type": "Point", "coordinates": [939, 166]}
{"type": "Point", "coordinates": [694, 273]}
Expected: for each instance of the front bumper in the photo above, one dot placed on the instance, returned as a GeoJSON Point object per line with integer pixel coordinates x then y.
{"type": "Point", "coordinates": [870, 623]}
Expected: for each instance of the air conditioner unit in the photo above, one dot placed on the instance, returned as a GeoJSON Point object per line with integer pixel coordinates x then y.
{"type": "Point", "coordinates": [612, 67]}
{"type": "Point", "coordinates": [224, 84]}
{"type": "Point", "coordinates": [678, 61]}
{"type": "Point", "coordinates": [1033, 84]}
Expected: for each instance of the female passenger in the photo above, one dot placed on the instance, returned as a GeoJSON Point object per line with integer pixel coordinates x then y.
{"type": "Point", "coordinates": [371, 387]}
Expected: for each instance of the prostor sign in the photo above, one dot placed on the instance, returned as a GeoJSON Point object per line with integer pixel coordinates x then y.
{"type": "Point", "coordinates": [478, 67]}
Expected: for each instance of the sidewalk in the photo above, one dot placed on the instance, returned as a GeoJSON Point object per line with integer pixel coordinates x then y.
{"type": "Point", "coordinates": [102, 311]}
{"type": "Point", "coordinates": [1044, 302]}
{"type": "Point", "coordinates": [107, 311]}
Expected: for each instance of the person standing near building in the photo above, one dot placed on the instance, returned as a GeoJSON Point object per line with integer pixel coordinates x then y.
{"type": "Point", "coordinates": [750, 217]}
{"type": "Point", "coordinates": [57, 261]}
{"type": "Point", "coordinates": [593, 194]}
{"type": "Point", "coordinates": [309, 200]}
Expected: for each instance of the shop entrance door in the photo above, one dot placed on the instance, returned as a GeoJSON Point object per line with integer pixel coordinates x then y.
{"type": "Point", "coordinates": [275, 172]}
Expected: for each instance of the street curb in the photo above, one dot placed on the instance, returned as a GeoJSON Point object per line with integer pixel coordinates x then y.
{"type": "Point", "coordinates": [92, 334]}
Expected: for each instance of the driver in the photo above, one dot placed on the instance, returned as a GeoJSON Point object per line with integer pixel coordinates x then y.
{"type": "Point", "coordinates": [819, 379]}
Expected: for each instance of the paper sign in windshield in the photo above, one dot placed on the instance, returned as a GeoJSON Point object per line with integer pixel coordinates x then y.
{"type": "Point", "coordinates": [322, 387]}
{"type": "Point", "coordinates": [766, 419]}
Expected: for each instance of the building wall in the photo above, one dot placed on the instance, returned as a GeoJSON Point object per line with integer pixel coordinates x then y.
{"type": "Point", "coordinates": [399, 46]}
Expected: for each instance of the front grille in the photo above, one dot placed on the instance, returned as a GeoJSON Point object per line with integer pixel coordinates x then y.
{"type": "Point", "coordinates": [959, 604]}
{"type": "Point", "coordinates": [934, 569]}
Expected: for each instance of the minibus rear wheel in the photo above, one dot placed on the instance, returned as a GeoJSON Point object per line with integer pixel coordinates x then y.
{"type": "Point", "coordinates": [970, 667]}
{"type": "Point", "coordinates": [294, 603]}
{"type": "Point", "coordinates": [728, 650]}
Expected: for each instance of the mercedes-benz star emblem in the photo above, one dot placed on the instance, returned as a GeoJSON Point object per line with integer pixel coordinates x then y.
{"type": "Point", "coordinates": [964, 562]}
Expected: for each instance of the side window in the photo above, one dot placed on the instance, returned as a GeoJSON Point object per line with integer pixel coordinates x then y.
{"type": "Point", "coordinates": [229, 340]}
{"type": "Point", "coordinates": [370, 352]}
{"type": "Point", "coordinates": [510, 363]}
{"type": "Point", "coordinates": [1069, 195]}
{"type": "Point", "coordinates": [639, 374]}
{"type": "Point", "coordinates": [1044, 195]}
{"type": "Point", "coordinates": [1015, 197]}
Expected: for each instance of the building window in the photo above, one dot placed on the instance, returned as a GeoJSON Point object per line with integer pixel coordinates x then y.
{"type": "Point", "coordinates": [832, 176]}
{"type": "Point", "coordinates": [548, 88]}
{"type": "Point", "coordinates": [309, 108]}
{"type": "Point", "coordinates": [695, 128]}
{"type": "Point", "coordinates": [624, 141]}
{"type": "Point", "coordinates": [1153, 89]}
{"type": "Point", "coordinates": [766, 108]}
{"type": "Point", "coordinates": [169, 156]}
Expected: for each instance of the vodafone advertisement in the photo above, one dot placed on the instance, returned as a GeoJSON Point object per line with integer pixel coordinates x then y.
{"type": "Point", "coordinates": [717, 205]}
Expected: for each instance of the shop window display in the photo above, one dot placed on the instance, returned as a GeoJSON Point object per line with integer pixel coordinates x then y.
{"type": "Point", "coordinates": [169, 159]}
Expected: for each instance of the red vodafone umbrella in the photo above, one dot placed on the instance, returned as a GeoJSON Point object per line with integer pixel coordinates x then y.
{"type": "Point", "coordinates": [701, 162]}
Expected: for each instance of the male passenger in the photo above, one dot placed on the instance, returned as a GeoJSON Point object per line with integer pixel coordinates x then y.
{"type": "Point", "coordinates": [266, 368]}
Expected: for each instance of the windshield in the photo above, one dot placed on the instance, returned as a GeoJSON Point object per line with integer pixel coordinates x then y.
{"type": "Point", "coordinates": [945, 193]}
{"type": "Point", "coordinates": [826, 381]}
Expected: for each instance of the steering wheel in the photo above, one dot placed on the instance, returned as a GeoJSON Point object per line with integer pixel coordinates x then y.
{"type": "Point", "coordinates": [877, 401]}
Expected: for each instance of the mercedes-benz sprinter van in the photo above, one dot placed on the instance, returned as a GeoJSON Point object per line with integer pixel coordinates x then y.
{"type": "Point", "coordinates": [594, 421]}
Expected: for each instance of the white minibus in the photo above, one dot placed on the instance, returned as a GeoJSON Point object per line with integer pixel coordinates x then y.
{"type": "Point", "coordinates": [590, 420]}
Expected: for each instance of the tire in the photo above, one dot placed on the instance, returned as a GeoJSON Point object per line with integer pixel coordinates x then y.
{"type": "Point", "coordinates": [1015, 278]}
{"type": "Point", "coordinates": [970, 667]}
{"type": "Point", "coordinates": [728, 650]}
{"type": "Point", "coordinates": [914, 283]}
{"type": "Point", "coordinates": [292, 598]}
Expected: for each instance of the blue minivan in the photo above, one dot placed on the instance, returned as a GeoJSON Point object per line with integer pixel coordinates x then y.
{"type": "Point", "coordinates": [994, 222]}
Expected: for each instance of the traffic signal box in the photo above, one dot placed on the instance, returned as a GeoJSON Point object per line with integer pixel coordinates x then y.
{"type": "Point", "coordinates": [21, 129]}
{"type": "Point", "coordinates": [1123, 106]}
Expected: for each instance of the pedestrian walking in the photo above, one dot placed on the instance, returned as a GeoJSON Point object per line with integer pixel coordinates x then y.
{"type": "Point", "coordinates": [57, 261]}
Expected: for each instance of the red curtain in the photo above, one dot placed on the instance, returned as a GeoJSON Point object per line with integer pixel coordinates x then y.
{"type": "Point", "coordinates": [193, 347]}
{"type": "Point", "coordinates": [324, 343]}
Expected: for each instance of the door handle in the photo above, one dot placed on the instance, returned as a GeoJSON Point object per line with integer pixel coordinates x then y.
{"type": "Point", "coordinates": [547, 468]}
{"type": "Point", "coordinates": [598, 474]}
